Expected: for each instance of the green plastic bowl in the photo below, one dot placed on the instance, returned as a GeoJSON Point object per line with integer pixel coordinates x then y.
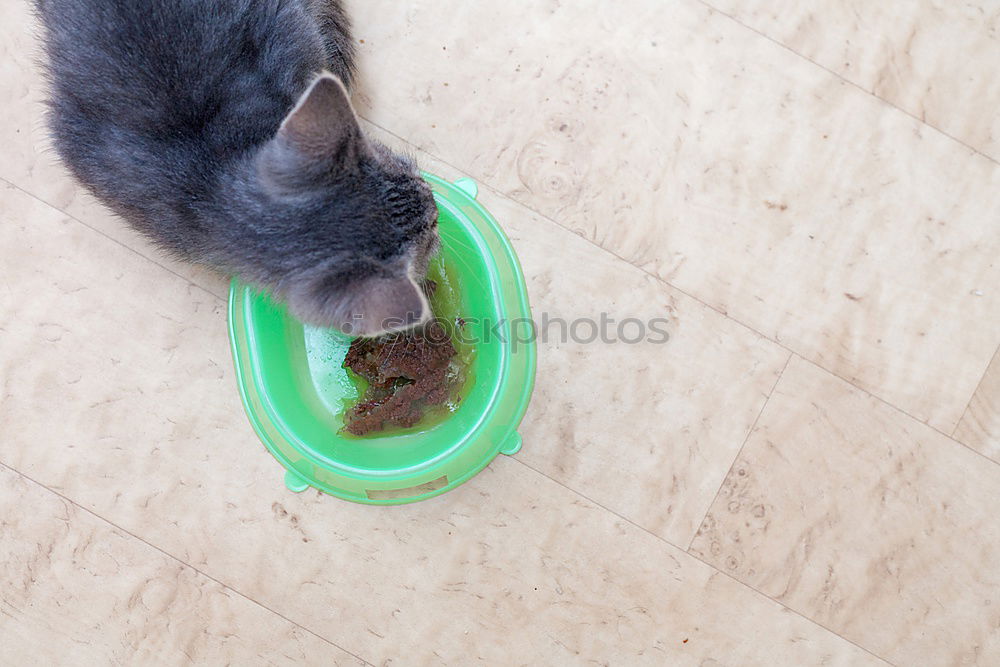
{"type": "Point", "coordinates": [295, 391]}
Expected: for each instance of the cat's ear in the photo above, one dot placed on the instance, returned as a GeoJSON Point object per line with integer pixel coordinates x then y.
{"type": "Point", "coordinates": [323, 125]}
{"type": "Point", "coordinates": [320, 133]}
{"type": "Point", "coordinates": [366, 306]}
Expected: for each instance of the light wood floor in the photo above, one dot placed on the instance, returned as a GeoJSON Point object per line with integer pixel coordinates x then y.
{"type": "Point", "coordinates": [807, 473]}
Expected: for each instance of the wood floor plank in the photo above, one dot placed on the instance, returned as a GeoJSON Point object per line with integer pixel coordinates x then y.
{"type": "Point", "coordinates": [939, 61]}
{"type": "Point", "coordinates": [865, 520]}
{"type": "Point", "coordinates": [75, 590]}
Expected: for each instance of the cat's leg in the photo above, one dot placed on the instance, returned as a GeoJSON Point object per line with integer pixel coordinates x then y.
{"type": "Point", "coordinates": [336, 30]}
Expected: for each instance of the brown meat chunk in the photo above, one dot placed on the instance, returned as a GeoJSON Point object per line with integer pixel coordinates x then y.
{"type": "Point", "coordinates": [407, 373]}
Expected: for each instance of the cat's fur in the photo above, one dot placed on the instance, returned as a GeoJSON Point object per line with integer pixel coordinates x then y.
{"type": "Point", "coordinates": [223, 130]}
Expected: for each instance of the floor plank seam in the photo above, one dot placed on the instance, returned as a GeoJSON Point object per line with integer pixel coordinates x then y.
{"type": "Point", "coordinates": [111, 238]}
{"type": "Point", "coordinates": [982, 379]}
{"type": "Point", "coordinates": [739, 452]}
{"type": "Point", "coordinates": [183, 563]}
{"type": "Point", "coordinates": [848, 81]}
{"type": "Point", "coordinates": [902, 411]}
{"type": "Point", "coordinates": [713, 567]}
{"type": "Point", "coordinates": [786, 607]}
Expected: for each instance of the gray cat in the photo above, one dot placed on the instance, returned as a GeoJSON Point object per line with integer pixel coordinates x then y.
{"type": "Point", "coordinates": [222, 129]}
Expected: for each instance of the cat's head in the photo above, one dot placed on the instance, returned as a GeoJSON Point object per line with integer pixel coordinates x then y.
{"type": "Point", "coordinates": [355, 222]}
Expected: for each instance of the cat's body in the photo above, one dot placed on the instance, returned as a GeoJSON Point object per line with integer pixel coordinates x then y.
{"type": "Point", "coordinates": [203, 123]}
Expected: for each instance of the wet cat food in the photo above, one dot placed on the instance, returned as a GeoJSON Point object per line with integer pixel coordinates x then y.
{"type": "Point", "coordinates": [407, 373]}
